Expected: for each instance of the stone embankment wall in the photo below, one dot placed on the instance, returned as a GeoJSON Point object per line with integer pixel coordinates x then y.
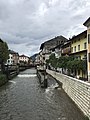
{"type": "Point", "coordinates": [40, 76]}
{"type": "Point", "coordinates": [78, 91]}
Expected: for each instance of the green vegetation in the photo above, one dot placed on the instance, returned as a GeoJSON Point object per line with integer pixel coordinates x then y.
{"type": "Point", "coordinates": [53, 61]}
{"type": "Point", "coordinates": [3, 79]}
{"type": "Point", "coordinates": [4, 54]}
{"type": "Point", "coordinates": [67, 62]}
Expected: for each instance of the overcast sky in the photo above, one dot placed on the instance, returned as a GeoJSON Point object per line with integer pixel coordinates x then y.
{"type": "Point", "coordinates": [25, 24]}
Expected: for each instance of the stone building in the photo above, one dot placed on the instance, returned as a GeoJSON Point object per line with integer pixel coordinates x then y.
{"type": "Point", "coordinates": [46, 47]}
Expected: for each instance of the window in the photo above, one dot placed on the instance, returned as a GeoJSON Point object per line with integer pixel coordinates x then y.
{"type": "Point", "coordinates": [79, 39]}
{"type": "Point", "coordinates": [75, 49]}
{"type": "Point", "coordinates": [43, 58]}
{"type": "Point", "coordinates": [61, 41]}
{"type": "Point", "coordinates": [85, 45]}
{"type": "Point", "coordinates": [88, 38]}
{"type": "Point", "coordinates": [8, 61]}
{"type": "Point", "coordinates": [78, 47]}
{"type": "Point", "coordinates": [89, 57]}
{"type": "Point", "coordinates": [72, 49]}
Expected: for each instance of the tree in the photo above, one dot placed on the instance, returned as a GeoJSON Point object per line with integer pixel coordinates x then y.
{"type": "Point", "coordinates": [4, 54]}
{"type": "Point", "coordinates": [68, 62]}
{"type": "Point", "coordinates": [52, 60]}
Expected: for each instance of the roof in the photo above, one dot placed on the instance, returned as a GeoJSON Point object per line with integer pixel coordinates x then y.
{"type": "Point", "coordinates": [79, 35]}
{"type": "Point", "coordinates": [23, 56]}
{"type": "Point", "coordinates": [1, 40]}
{"type": "Point", "coordinates": [66, 43]}
{"type": "Point", "coordinates": [58, 37]}
{"type": "Point", "coordinates": [87, 22]}
{"type": "Point", "coordinates": [13, 52]}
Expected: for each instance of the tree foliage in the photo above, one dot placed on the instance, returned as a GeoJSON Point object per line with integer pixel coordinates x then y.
{"type": "Point", "coordinates": [69, 62]}
{"type": "Point", "coordinates": [53, 60]}
{"type": "Point", "coordinates": [4, 53]}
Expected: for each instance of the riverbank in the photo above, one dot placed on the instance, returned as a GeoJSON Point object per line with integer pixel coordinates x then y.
{"type": "Point", "coordinates": [10, 72]}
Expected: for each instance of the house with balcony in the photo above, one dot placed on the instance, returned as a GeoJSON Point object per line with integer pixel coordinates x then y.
{"type": "Point", "coordinates": [23, 59]}
{"type": "Point", "coordinates": [87, 24]}
{"type": "Point", "coordinates": [66, 48]}
{"type": "Point", "coordinates": [57, 50]}
{"type": "Point", "coordinates": [47, 47]}
{"type": "Point", "coordinates": [79, 45]}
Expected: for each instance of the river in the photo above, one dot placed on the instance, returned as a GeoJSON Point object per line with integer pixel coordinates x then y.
{"type": "Point", "coordinates": [22, 98]}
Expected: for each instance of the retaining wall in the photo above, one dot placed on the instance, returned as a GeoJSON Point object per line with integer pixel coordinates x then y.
{"type": "Point", "coordinates": [78, 91]}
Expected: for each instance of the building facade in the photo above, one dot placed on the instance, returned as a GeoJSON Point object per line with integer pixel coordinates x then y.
{"type": "Point", "coordinates": [13, 58]}
{"type": "Point", "coordinates": [79, 45]}
{"type": "Point", "coordinates": [66, 48]}
{"type": "Point", "coordinates": [87, 24]}
{"type": "Point", "coordinates": [79, 51]}
{"type": "Point", "coordinates": [24, 59]}
{"type": "Point", "coordinates": [46, 47]}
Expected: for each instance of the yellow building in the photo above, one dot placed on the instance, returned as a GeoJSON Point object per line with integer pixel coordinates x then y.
{"type": "Point", "coordinates": [79, 50]}
{"type": "Point", "coordinates": [87, 24]}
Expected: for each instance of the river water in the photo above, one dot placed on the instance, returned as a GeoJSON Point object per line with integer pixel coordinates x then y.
{"type": "Point", "coordinates": [22, 98]}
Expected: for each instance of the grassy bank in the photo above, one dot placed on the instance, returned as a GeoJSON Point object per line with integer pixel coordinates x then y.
{"type": "Point", "coordinates": [3, 79]}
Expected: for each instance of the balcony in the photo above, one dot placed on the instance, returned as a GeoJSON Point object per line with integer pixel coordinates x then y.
{"type": "Point", "coordinates": [66, 50]}
{"type": "Point", "coordinates": [46, 52]}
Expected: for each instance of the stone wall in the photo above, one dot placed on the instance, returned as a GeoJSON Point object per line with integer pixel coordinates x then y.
{"type": "Point", "coordinates": [78, 91]}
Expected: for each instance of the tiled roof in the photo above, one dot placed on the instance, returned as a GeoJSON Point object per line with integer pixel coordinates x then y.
{"type": "Point", "coordinates": [13, 52]}
{"type": "Point", "coordinates": [23, 56]}
{"type": "Point", "coordinates": [77, 36]}
{"type": "Point", "coordinates": [53, 39]}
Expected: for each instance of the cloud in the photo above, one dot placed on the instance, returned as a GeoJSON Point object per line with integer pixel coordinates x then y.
{"type": "Point", "coordinates": [28, 23]}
